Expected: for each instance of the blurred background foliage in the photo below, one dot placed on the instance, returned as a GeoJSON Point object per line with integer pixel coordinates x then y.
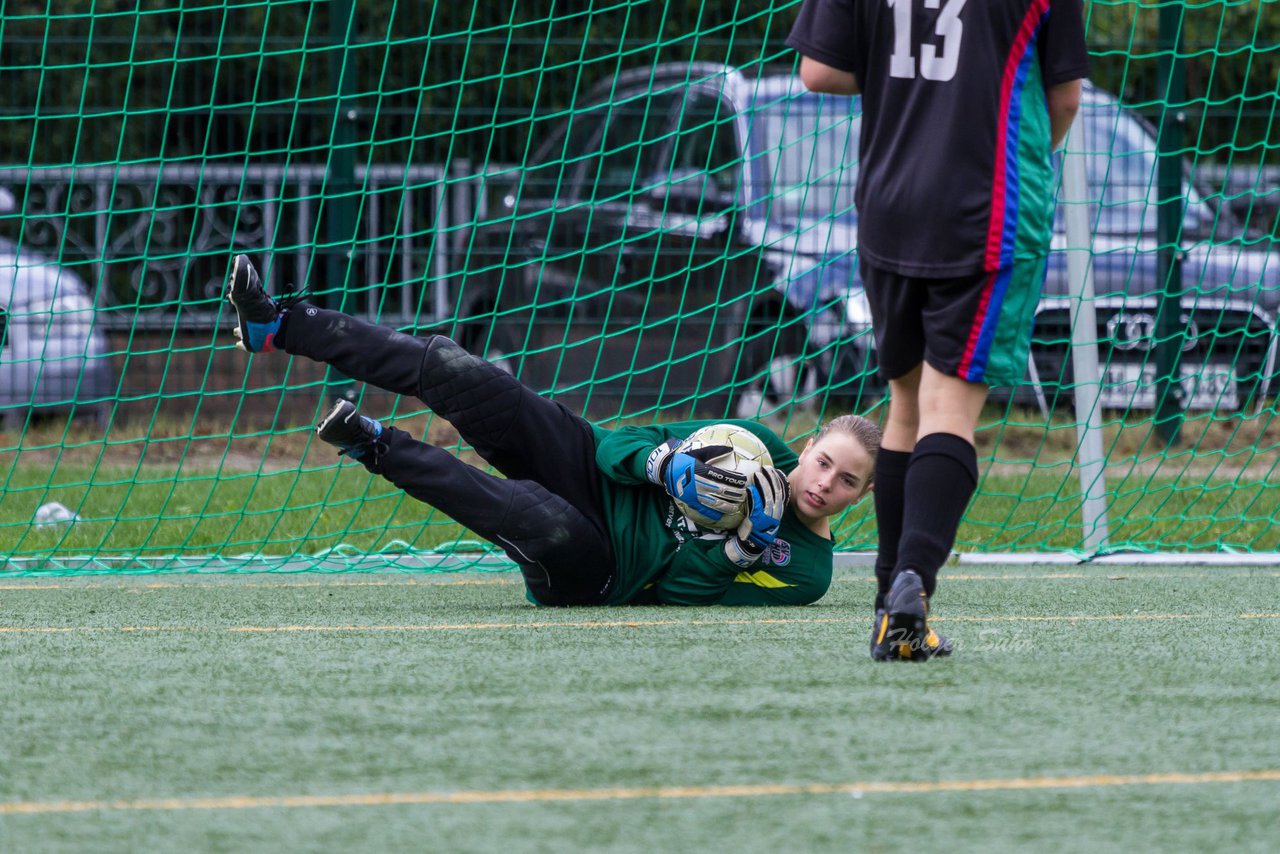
{"type": "Point", "coordinates": [113, 81]}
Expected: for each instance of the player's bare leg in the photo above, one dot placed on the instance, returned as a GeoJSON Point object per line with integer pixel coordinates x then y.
{"type": "Point", "coordinates": [948, 404]}
{"type": "Point", "coordinates": [902, 426]}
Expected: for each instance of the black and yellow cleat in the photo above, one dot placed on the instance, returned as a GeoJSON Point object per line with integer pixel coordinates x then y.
{"type": "Point", "coordinates": [901, 631]}
{"type": "Point", "coordinates": [880, 648]}
{"type": "Point", "coordinates": [935, 645]}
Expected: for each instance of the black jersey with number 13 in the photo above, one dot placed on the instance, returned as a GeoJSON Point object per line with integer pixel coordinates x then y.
{"type": "Point", "coordinates": [956, 175]}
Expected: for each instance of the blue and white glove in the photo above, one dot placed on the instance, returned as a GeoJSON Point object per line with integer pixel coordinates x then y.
{"type": "Point", "coordinates": [686, 475]}
{"type": "Point", "coordinates": [767, 497]}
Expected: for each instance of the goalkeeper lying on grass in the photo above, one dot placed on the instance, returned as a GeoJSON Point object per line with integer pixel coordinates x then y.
{"type": "Point", "coordinates": [588, 514]}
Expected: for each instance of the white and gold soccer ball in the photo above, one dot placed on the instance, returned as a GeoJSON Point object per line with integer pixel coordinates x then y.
{"type": "Point", "coordinates": [747, 454]}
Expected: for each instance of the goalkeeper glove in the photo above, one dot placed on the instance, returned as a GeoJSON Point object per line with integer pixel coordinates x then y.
{"type": "Point", "coordinates": [686, 475]}
{"type": "Point", "coordinates": [767, 496]}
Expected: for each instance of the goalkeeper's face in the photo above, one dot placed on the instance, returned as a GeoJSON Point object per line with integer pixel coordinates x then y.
{"type": "Point", "coordinates": [833, 473]}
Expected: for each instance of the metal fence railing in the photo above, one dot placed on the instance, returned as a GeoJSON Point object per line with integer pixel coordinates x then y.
{"type": "Point", "coordinates": [151, 242]}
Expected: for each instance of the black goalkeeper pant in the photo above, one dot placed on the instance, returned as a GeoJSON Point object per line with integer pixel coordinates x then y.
{"type": "Point", "coordinates": [547, 514]}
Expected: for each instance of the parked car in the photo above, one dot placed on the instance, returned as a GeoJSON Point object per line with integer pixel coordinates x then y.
{"type": "Point", "coordinates": [1231, 281]}
{"type": "Point", "coordinates": [53, 359]}
{"type": "Point", "coordinates": [687, 237]}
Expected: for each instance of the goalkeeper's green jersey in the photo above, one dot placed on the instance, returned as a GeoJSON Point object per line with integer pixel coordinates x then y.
{"type": "Point", "coordinates": [663, 557]}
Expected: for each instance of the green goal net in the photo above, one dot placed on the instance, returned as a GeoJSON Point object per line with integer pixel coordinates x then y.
{"type": "Point", "coordinates": [633, 206]}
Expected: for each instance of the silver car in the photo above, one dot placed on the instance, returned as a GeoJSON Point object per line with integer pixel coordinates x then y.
{"type": "Point", "coordinates": [53, 358]}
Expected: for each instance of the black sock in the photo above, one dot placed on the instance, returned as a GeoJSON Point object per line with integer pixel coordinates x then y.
{"type": "Point", "coordinates": [941, 478]}
{"type": "Point", "coordinates": [889, 481]}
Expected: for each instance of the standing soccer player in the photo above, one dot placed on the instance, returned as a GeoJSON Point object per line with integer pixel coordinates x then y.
{"type": "Point", "coordinates": [963, 102]}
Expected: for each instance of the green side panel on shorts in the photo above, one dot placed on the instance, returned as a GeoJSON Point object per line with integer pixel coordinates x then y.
{"type": "Point", "coordinates": [1007, 362]}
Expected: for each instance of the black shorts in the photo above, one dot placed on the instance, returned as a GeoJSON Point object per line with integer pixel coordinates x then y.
{"type": "Point", "coordinates": [976, 327]}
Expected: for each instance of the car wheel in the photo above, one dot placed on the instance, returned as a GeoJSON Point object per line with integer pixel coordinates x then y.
{"type": "Point", "coordinates": [846, 379]}
{"type": "Point", "coordinates": [771, 373]}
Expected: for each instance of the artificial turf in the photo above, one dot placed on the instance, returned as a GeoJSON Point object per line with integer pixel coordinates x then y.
{"type": "Point", "coordinates": [1088, 709]}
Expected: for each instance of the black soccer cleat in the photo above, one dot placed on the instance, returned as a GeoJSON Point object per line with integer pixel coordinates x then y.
{"type": "Point", "coordinates": [350, 432]}
{"type": "Point", "coordinates": [257, 313]}
{"type": "Point", "coordinates": [882, 648]}
{"type": "Point", "coordinates": [901, 631]}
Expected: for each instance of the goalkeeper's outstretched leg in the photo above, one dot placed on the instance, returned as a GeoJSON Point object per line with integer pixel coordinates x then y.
{"type": "Point", "coordinates": [564, 553]}
{"type": "Point", "coordinates": [547, 514]}
{"type": "Point", "coordinates": [517, 431]}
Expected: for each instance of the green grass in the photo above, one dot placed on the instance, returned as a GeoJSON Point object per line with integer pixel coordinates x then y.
{"type": "Point", "coordinates": [149, 492]}
{"type": "Point", "coordinates": [145, 697]}
{"type": "Point", "coordinates": [163, 511]}
{"type": "Point", "coordinates": [193, 510]}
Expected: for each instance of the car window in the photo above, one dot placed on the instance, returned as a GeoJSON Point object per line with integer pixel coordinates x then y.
{"type": "Point", "coordinates": [606, 150]}
{"type": "Point", "coordinates": [706, 147]}
{"type": "Point", "coordinates": [1121, 170]}
{"type": "Point", "coordinates": [627, 152]}
{"type": "Point", "coordinates": [803, 154]}
{"type": "Point", "coordinates": [550, 170]}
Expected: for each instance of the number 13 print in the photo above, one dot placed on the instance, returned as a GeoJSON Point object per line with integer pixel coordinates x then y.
{"type": "Point", "coordinates": [935, 64]}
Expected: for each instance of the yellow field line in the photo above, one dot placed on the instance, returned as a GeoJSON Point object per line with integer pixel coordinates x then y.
{"type": "Point", "coordinates": [427, 627]}
{"type": "Point", "coordinates": [508, 796]}
{"type": "Point", "coordinates": [604, 624]}
{"type": "Point", "coordinates": [1070, 618]}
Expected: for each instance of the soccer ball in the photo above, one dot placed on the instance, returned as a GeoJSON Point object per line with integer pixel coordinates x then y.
{"type": "Point", "coordinates": [746, 456]}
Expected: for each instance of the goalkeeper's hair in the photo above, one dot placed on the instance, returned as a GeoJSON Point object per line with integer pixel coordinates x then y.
{"type": "Point", "coordinates": [862, 429]}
